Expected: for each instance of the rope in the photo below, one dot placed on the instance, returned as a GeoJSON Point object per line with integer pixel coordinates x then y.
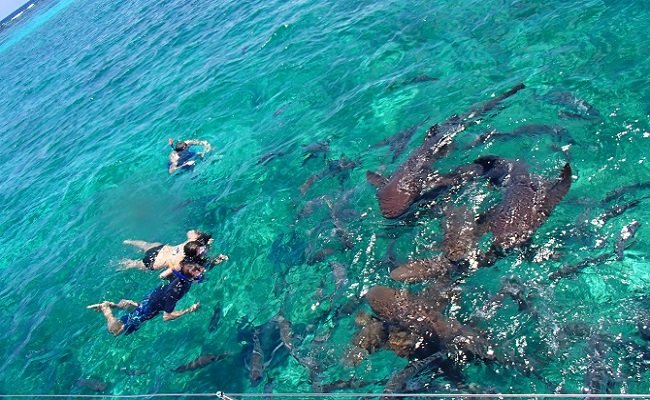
{"type": "Point", "coordinates": [234, 396]}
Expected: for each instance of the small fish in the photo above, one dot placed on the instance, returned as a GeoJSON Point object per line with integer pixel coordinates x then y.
{"type": "Point", "coordinates": [616, 210]}
{"type": "Point", "coordinates": [256, 365]}
{"type": "Point", "coordinates": [389, 261]}
{"type": "Point", "coordinates": [577, 108]}
{"type": "Point", "coordinates": [287, 339]}
{"type": "Point", "coordinates": [200, 362]}
{"type": "Point", "coordinates": [92, 384]}
{"type": "Point", "coordinates": [285, 332]}
{"type": "Point", "coordinates": [281, 110]}
{"type": "Point", "coordinates": [270, 156]}
{"type": "Point", "coordinates": [616, 193]}
{"type": "Point", "coordinates": [313, 150]}
{"type": "Point", "coordinates": [340, 168]}
{"type": "Point", "coordinates": [214, 321]}
{"type": "Point", "coordinates": [422, 78]}
{"type": "Point", "coordinates": [572, 269]}
{"type": "Point", "coordinates": [340, 274]}
{"type": "Point", "coordinates": [627, 235]}
{"type": "Point", "coordinates": [556, 132]}
{"type": "Point", "coordinates": [182, 204]}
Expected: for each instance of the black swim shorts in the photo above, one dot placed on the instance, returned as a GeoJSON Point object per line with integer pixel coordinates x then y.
{"type": "Point", "coordinates": [150, 256]}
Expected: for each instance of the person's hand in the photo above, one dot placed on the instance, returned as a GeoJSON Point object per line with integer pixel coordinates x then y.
{"type": "Point", "coordinates": [222, 257]}
{"type": "Point", "coordinates": [191, 162]}
{"type": "Point", "coordinates": [193, 307]}
{"type": "Point", "coordinates": [170, 141]}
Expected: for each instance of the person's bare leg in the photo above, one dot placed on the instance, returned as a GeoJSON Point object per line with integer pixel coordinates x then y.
{"type": "Point", "coordinates": [114, 325]}
{"type": "Point", "coordinates": [125, 304]}
{"type": "Point", "coordinates": [192, 235]}
{"type": "Point", "coordinates": [141, 244]}
{"type": "Point", "coordinates": [126, 264]}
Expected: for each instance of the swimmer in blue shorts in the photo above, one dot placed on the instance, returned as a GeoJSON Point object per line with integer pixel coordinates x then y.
{"type": "Point", "coordinates": [182, 157]}
{"type": "Point", "coordinates": [162, 299]}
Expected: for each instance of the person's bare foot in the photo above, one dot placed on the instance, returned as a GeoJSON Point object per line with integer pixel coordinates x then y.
{"type": "Point", "coordinates": [100, 306]}
{"type": "Point", "coordinates": [127, 264]}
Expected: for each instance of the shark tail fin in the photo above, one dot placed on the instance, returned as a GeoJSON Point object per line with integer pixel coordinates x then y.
{"type": "Point", "coordinates": [376, 179]}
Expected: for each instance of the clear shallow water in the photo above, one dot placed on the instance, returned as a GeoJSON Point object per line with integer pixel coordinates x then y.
{"type": "Point", "coordinates": [92, 90]}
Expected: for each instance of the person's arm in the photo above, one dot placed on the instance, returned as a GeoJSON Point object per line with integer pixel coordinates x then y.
{"type": "Point", "coordinates": [170, 268]}
{"type": "Point", "coordinates": [211, 262]}
{"type": "Point", "coordinates": [173, 160]}
{"type": "Point", "coordinates": [177, 314]}
{"type": "Point", "coordinates": [204, 143]}
{"type": "Point", "coordinates": [166, 274]}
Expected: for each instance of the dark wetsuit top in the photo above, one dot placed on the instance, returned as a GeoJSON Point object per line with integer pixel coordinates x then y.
{"type": "Point", "coordinates": [183, 157]}
{"type": "Point", "coordinates": [163, 298]}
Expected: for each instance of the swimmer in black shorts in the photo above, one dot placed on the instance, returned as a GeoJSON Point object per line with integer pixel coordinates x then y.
{"type": "Point", "coordinates": [163, 298]}
{"type": "Point", "coordinates": [163, 256]}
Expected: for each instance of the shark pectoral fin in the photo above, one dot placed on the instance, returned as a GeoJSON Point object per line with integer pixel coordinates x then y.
{"type": "Point", "coordinates": [376, 179]}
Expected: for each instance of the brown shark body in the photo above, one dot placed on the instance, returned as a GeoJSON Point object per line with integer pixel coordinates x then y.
{"type": "Point", "coordinates": [527, 200]}
{"type": "Point", "coordinates": [418, 316]}
{"type": "Point", "coordinates": [416, 176]}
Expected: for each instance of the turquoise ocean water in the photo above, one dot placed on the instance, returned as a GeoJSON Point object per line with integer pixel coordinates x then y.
{"type": "Point", "coordinates": [91, 90]}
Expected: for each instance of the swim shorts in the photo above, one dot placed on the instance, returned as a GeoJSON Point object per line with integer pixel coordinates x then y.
{"type": "Point", "coordinates": [150, 256]}
{"type": "Point", "coordinates": [135, 318]}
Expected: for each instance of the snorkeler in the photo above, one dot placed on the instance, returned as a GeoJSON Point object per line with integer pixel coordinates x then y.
{"type": "Point", "coordinates": [168, 257]}
{"type": "Point", "coordinates": [163, 298]}
{"type": "Point", "coordinates": [182, 157]}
